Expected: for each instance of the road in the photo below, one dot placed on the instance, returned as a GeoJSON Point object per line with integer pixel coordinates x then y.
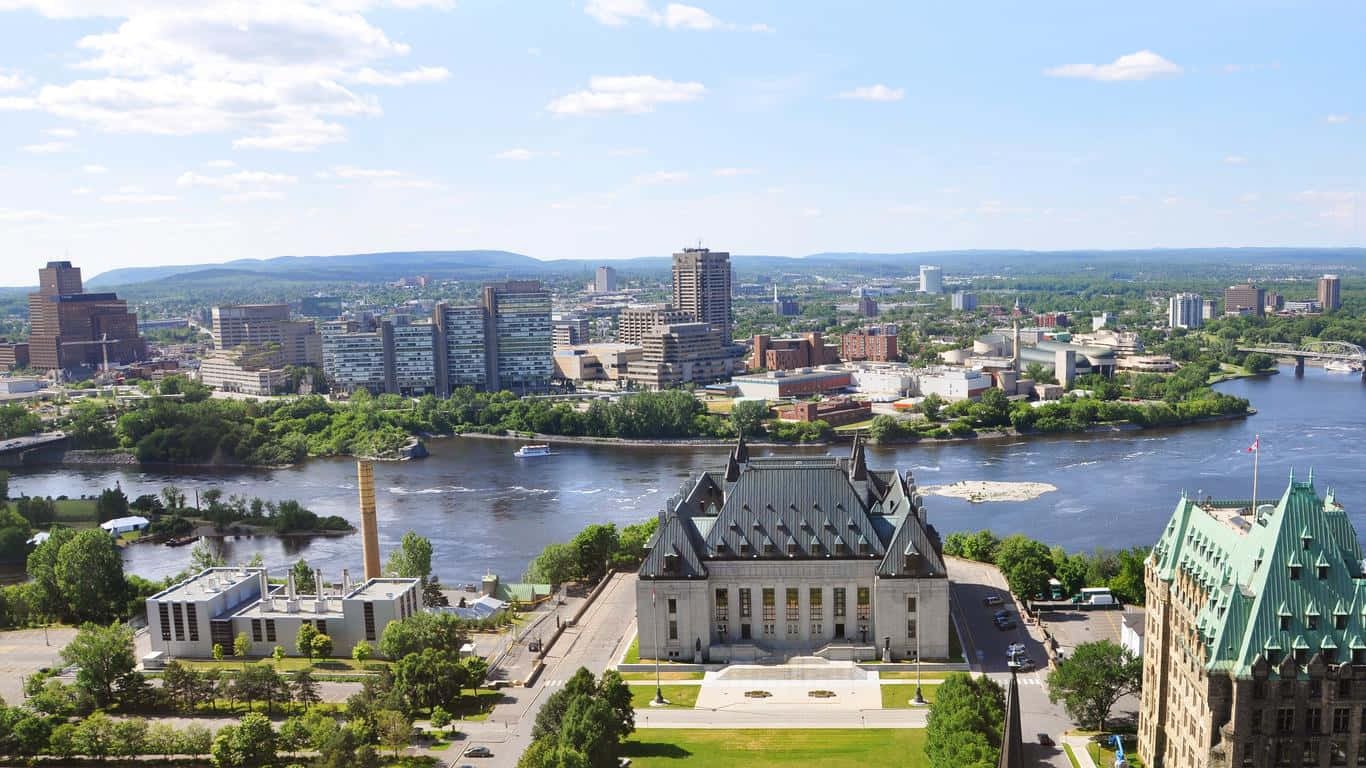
{"type": "Point", "coordinates": [985, 648]}
{"type": "Point", "coordinates": [595, 642]}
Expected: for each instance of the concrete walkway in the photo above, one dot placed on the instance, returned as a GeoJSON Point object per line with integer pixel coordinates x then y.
{"type": "Point", "coordinates": [1078, 745]}
{"type": "Point", "coordinates": [780, 716]}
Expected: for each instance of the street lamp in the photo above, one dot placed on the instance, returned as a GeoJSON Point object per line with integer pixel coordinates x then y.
{"type": "Point", "coordinates": [919, 699]}
{"type": "Point", "coordinates": [659, 691]}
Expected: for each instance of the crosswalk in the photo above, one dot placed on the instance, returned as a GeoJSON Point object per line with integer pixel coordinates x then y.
{"type": "Point", "coordinates": [1030, 678]}
{"type": "Point", "coordinates": [553, 683]}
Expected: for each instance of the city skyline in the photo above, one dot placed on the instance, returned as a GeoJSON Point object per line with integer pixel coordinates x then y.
{"type": "Point", "coordinates": [145, 133]}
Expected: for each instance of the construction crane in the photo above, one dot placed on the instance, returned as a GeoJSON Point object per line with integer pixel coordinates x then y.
{"type": "Point", "coordinates": [104, 341]}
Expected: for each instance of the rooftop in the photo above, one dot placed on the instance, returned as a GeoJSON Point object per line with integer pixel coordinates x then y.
{"type": "Point", "coordinates": [380, 589]}
{"type": "Point", "coordinates": [208, 583]}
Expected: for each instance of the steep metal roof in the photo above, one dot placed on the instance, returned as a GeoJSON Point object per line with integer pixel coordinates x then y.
{"type": "Point", "coordinates": [794, 508]}
{"type": "Point", "coordinates": [1286, 577]}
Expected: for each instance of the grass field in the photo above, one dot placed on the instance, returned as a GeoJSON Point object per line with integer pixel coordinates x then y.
{"type": "Point", "coordinates": [757, 748]}
{"type": "Point", "coordinates": [1071, 758]}
{"type": "Point", "coordinates": [678, 696]}
{"type": "Point", "coordinates": [72, 512]}
{"type": "Point", "coordinates": [899, 696]}
{"type": "Point", "coordinates": [1106, 755]}
{"type": "Point", "coordinates": [664, 674]}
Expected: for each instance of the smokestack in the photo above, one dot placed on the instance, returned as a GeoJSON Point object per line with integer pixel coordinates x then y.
{"type": "Point", "coordinates": [289, 585]}
{"type": "Point", "coordinates": [1015, 348]}
{"type": "Point", "coordinates": [318, 581]}
{"type": "Point", "coordinates": [369, 529]}
{"type": "Point", "coordinates": [346, 583]}
{"type": "Point", "coordinates": [263, 584]}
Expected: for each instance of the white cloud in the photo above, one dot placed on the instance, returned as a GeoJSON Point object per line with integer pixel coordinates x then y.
{"type": "Point", "coordinates": [81, 191]}
{"type": "Point", "coordinates": [734, 172]}
{"type": "Point", "coordinates": [47, 148]}
{"type": "Point", "coordinates": [94, 169]}
{"type": "Point", "coordinates": [1235, 160]}
{"type": "Point", "coordinates": [515, 154]}
{"type": "Point", "coordinates": [268, 72]}
{"type": "Point", "coordinates": [877, 92]}
{"type": "Point", "coordinates": [1134, 66]}
{"type": "Point", "coordinates": [352, 172]}
{"type": "Point", "coordinates": [627, 151]}
{"type": "Point", "coordinates": [662, 177]}
{"type": "Point", "coordinates": [619, 13]}
{"type": "Point", "coordinates": [63, 133]}
{"type": "Point", "coordinates": [242, 185]}
{"type": "Point", "coordinates": [20, 216]}
{"type": "Point", "coordinates": [408, 184]}
{"type": "Point", "coordinates": [420, 75]}
{"type": "Point", "coordinates": [135, 196]}
{"type": "Point", "coordinates": [10, 81]}
{"type": "Point", "coordinates": [631, 94]}
{"type": "Point", "coordinates": [678, 16]}
{"type": "Point", "coordinates": [1337, 119]}
{"type": "Point", "coordinates": [220, 164]}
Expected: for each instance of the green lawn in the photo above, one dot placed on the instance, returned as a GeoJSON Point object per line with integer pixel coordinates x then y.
{"type": "Point", "coordinates": [1071, 758]}
{"type": "Point", "coordinates": [664, 674]}
{"type": "Point", "coordinates": [70, 511]}
{"type": "Point", "coordinates": [681, 696]}
{"type": "Point", "coordinates": [1106, 755]}
{"type": "Point", "coordinates": [767, 748]}
{"type": "Point", "coordinates": [290, 663]}
{"type": "Point", "coordinates": [899, 696]}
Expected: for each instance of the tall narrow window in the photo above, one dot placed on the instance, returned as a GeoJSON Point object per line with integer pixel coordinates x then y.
{"type": "Point", "coordinates": [839, 602]}
{"type": "Point", "coordinates": [770, 604]}
{"type": "Point", "coordinates": [815, 599]}
{"type": "Point", "coordinates": [164, 613]}
{"type": "Point", "coordinates": [256, 630]}
{"type": "Point", "coordinates": [746, 605]}
{"type": "Point", "coordinates": [369, 611]}
{"type": "Point", "coordinates": [793, 609]}
{"type": "Point", "coordinates": [179, 621]}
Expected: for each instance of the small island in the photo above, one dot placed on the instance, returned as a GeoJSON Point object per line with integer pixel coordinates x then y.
{"type": "Point", "coordinates": [979, 491]}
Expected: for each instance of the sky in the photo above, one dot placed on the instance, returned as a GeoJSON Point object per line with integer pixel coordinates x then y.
{"type": "Point", "coordinates": [146, 132]}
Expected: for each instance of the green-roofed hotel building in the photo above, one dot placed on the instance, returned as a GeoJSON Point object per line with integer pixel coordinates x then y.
{"type": "Point", "coordinates": [1255, 646]}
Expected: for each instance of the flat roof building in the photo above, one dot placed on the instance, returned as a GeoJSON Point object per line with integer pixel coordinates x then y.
{"type": "Point", "coordinates": [634, 321]}
{"type": "Point", "coordinates": [680, 353]}
{"type": "Point", "coordinates": [701, 286]}
{"type": "Point", "coordinates": [777, 385]}
{"type": "Point", "coordinates": [70, 328]}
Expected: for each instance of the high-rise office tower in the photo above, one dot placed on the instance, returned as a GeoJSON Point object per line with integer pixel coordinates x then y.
{"type": "Point", "coordinates": [1245, 299]}
{"type": "Point", "coordinates": [70, 328]}
{"type": "Point", "coordinates": [460, 358]}
{"type": "Point", "coordinates": [702, 287]}
{"type": "Point", "coordinates": [1329, 292]}
{"type": "Point", "coordinates": [605, 280]}
{"type": "Point", "coordinates": [931, 279]}
{"type": "Point", "coordinates": [1185, 310]}
{"type": "Point", "coordinates": [518, 349]}
{"type": "Point", "coordinates": [415, 358]}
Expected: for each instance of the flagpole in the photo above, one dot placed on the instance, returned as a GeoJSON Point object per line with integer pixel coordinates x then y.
{"type": "Point", "coordinates": [1256, 460]}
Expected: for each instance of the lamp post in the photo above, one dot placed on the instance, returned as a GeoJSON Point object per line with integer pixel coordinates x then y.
{"type": "Point", "coordinates": [919, 699]}
{"type": "Point", "coordinates": [659, 691]}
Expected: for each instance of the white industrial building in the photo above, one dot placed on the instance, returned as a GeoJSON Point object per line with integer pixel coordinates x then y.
{"type": "Point", "coordinates": [121, 525]}
{"type": "Point", "coordinates": [953, 383]}
{"type": "Point", "coordinates": [215, 605]}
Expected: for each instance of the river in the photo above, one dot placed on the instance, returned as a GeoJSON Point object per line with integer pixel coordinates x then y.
{"type": "Point", "coordinates": [485, 510]}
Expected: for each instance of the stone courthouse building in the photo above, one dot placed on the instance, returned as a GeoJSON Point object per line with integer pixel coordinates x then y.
{"type": "Point", "coordinates": [787, 556]}
{"type": "Point", "coordinates": [1255, 646]}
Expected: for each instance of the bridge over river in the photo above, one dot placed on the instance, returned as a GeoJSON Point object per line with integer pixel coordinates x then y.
{"type": "Point", "coordinates": [15, 451]}
{"type": "Point", "coordinates": [1314, 350]}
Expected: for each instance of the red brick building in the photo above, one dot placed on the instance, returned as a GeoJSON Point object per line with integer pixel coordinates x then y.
{"type": "Point", "coordinates": [71, 328]}
{"type": "Point", "coordinates": [874, 342]}
{"type": "Point", "coordinates": [789, 354]}
{"type": "Point", "coordinates": [835, 412]}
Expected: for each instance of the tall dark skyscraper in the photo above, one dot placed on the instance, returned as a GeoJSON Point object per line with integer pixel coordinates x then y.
{"type": "Point", "coordinates": [702, 287]}
{"type": "Point", "coordinates": [70, 328]}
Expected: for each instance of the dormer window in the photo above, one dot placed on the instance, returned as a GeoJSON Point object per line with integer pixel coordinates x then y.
{"type": "Point", "coordinates": [1295, 573]}
{"type": "Point", "coordinates": [721, 547]}
{"type": "Point", "coordinates": [671, 563]}
{"type": "Point", "coordinates": [863, 547]}
{"type": "Point", "coordinates": [1285, 623]}
{"type": "Point", "coordinates": [791, 548]}
{"type": "Point", "coordinates": [1323, 572]}
{"type": "Point", "coordinates": [744, 547]}
{"type": "Point", "coordinates": [1305, 541]}
{"type": "Point", "coordinates": [769, 548]}
{"type": "Point", "coordinates": [1311, 621]}
{"type": "Point", "coordinates": [840, 547]}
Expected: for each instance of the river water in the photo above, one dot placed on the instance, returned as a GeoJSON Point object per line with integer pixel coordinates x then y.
{"type": "Point", "coordinates": [485, 510]}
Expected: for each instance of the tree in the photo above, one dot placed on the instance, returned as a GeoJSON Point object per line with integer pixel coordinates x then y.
{"type": "Point", "coordinates": [306, 689]}
{"type": "Point", "coordinates": [594, 546]}
{"type": "Point", "coordinates": [1128, 584]}
{"type": "Point", "coordinates": [747, 417]}
{"type": "Point", "coordinates": [430, 678]}
{"type": "Point", "coordinates": [476, 669]}
{"type": "Point", "coordinates": [557, 564]}
{"type": "Point", "coordinates": [321, 647]}
{"type": "Point", "coordinates": [90, 576]}
{"type": "Point", "coordinates": [612, 688]}
{"type": "Point", "coordinates": [101, 655]}
{"type": "Point", "coordinates": [249, 744]}
{"type": "Point", "coordinates": [112, 503]}
{"type": "Point", "coordinates": [589, 727]}
{"type": "Point", "coordinates": [278, 654]}
{"type": "Point", "coordinates": [23, 733]}
{"type": "Point", "coordinates": [4, 485]}
{"type": "Point", "coordinates": [303, 641]}
{"type": "Point", "coordinates": [175, 498]}
{"type": "Point", "coordinates": [931, 405]}
{"type": "Point", "coordinates": [1092, 679]}
{"type": "Point", "coordinates": [162, 739]}
{"type": "Point", "coordinates": [1026, 564]}
{"type": "Point", "coordinates": [202, 556]}
{"type": "Point", "coordinates": [42, 572]}
{"type": "Point", "coordinates": [965, 723]}
{"type": "Point", "coordinates": [412, 559]}
{"type": "Point", "coordinates": [440, 718]}
{"type": "Point", "coordinates": [441, 631]}
{"type": "Point", "coordinates": [303, 577]}
{"type": "Point", "coordinates": [394, 728]}
{"type": "Point", "coordinates": [195, 740]}
{"type": "Point", "coordinates": [362, 651]}
{"type": "Point", "coordinates": [129, 737]}
{"type": "Point", "coordinates": [632, 542]}
{"type": "Point", "coordinates": [217, 651]}
{"type": "Point", "coordinates": [1257, 362]}
{"type": "Point", "coordinates": [552, 713]}
{"type": "Point", "coordinates": [1038, 374]}
{"type": "Point", "coordinates": [94, 736]}
{"type": "Point", "coordinates": [241, 646]}
{"type": "Point", "coordinates": [981, 546]}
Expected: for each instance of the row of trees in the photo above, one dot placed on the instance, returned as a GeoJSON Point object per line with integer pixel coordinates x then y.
{"type": "Point", "coordinates": [1028, 565]}
{"type": "Point", "coordinates": [591, 552]}
{"type": "Point", "coordinates": [964, 727]}
{"type": "Point", "coordinates": [582, 724]}
{"type": "Point", "coordinates": [74, 576]}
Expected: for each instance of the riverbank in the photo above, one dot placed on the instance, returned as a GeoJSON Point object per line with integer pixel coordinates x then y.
{"type": "Point", "coordinates": [979, 491]}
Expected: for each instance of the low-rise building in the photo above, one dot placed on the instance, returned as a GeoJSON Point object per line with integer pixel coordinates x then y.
{"type": "Point", "coordinates": [233, 370]}
{"type": "Point", "coordinates": [13, 354]}
{"type": "Point", "coordinates": [789, 354]}
{"type": "Point", "coordinates": [779, 385]}
{"type": "Point", "coordinates": [634, 321]}
{"type": "Point", "coordinates": [1146, 363]}
{"type": "Point", "coordinates": [953, 384]}
{"type": "Point", "coordinates": [835, 412]}
{"type": "Point", "coordinates": [882, 382]}
{"type": "Point", "coordinates": [681, 353]}
{"type": "Point", "coordinates": [16, 386]}
{"type": "Point", "coordinates": [596, 362]}
{"type": "Point", "coordinates": [215, 605]}
{"type": "Point", "coordinates": [121, 525]}
{"type": "Point", "coordinates": [876, 343]}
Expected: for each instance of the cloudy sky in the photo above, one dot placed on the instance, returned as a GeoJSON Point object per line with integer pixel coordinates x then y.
{"type": "Point", "coordinates": [139, 132]}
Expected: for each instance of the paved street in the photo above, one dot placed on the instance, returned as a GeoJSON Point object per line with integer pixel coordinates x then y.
{"type": "Point", "coordinates": [985, 648]}
{"type": "Point", "coordinates": [595, 643]}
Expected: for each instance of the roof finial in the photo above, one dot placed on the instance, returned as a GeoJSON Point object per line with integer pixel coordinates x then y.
{"type": "Point", "coordinates": [1311, 475]}
{"type": "Point", "coordinates": [741, 450]}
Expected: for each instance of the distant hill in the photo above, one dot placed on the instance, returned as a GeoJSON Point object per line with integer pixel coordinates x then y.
{"type": "Point", "coordinates": [490, 264]}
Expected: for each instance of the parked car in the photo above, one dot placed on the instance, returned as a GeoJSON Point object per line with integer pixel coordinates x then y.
{"type": "Point", "coordinates": [1015, 649]}
{"type": "Point", "coordinates": [1001, 614]}
{"type": "Point", "coordinates": [478, 752]}
{"type": "Point", "coordinates": [1024, 663]}
{"type": "Point", "coordinates": [1045, 740]}
{"type": "Point", "coordinates": [1005, 624]}
{"type": "Point", "coordinates": [993, 600]}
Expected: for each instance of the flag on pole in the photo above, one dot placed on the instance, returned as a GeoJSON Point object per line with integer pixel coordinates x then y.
{"type": "Point", "coordinates": [1256, 441]}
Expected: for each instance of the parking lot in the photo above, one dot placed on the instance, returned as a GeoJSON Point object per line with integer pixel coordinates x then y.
{"type": "Point", "coordinates": [1072, 628]}
{"type": "Point", "coordinates": [25, 651]}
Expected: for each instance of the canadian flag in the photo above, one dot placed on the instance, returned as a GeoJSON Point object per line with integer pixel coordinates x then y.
{"type": "Point", "coordinates": [1256, 441]}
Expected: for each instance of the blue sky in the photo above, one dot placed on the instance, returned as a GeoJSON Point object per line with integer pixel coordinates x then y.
{"type": "Point", "coordinates": [138, 132]}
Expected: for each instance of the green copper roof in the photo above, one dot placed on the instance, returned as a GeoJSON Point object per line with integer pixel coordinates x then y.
{"type": "Point", "coordinates": [1286, 566]}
